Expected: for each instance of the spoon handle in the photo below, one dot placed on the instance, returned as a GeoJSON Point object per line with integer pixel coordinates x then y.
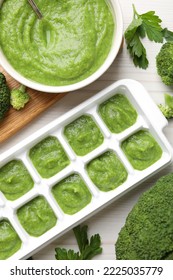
{"type": "Point", "coordinates": [35, 8]}
{"type": "Point", "coordinates": [1, 1]}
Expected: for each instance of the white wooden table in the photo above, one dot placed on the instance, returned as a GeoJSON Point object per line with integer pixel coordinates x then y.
{"type": "Point", "coordinates": [109, 221]}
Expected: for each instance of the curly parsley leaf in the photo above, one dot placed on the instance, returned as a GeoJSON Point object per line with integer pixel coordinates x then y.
{"type": "Point", "coordinates": [167, 34]}
{"type": "Point", "coordinates": [138, 52]}
{"type": "Point", "coordinates": [93, 248]}
{"type": "Point", "coordinates": [63, 254]}
{"type": "Point", "coordinates": [147, 24]}
{"type": "Point", "coordinates": [151, 25]}
{"type": "Point", "coordinates": [87, 248]}
{"type": "Point", "coordinates": [132, 29]}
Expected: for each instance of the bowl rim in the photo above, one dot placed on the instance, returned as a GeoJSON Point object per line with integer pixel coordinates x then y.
{"type": "Point", "coordinates": [116, 43]}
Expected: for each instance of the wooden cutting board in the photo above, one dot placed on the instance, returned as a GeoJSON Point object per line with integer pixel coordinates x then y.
{"type": "Point", "coordinates": [16, 120]}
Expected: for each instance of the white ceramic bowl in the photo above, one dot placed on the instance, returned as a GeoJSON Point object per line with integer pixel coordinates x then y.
{"type": "Point", "coordinates": [117, 40]}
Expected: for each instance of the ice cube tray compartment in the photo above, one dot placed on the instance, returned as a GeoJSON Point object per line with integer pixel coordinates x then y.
{"type": "Point", "coordinates": [149, 118]}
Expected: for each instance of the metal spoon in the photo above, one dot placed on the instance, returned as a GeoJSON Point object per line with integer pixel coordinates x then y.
{"type": "Point", "coordinates": [35, 8]}
{"type": "Point", "coordinates": [33, 5]}
{"type": "Point", "coordinates": [1, 1]}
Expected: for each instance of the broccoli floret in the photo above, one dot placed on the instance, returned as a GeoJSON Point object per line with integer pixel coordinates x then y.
{"type": "Point", "coordinates": [19, 97]}
{"type": "Point", "coordinates": [164, 63]}
{"type": "Point", "coordinates": [166, 111]}
{"type": "Point", "coordinates": [148, 230]}
{"type": "Point", "coordinates": [4, 96]}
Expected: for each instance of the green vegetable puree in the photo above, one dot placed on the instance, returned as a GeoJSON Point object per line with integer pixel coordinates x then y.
{"type": "Point", "coordinates": [37, 216]}
{"type": "Point", "coordinates": [67, 45]}
{"type": "Point", "coordinates": [48, 157]}
{"type": "Point", "coordinates": [83, 135]}
{"type": "Point", "coordinates": [71, 194]}
{"type": "Point", "coordinates": [15, 180]}
{"type": "Point", "coordinates": [107, 172]}
{"type": "Point", "coordinates": [141, 149]}
{"type": "Point", "coordinates": [117, 113]}
{"type": "Point", "coordinates": [10, 242]}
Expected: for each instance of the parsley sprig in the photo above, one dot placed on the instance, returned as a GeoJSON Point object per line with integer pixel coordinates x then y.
{"type": "Point", "coordinates": [144, 25]}
{"type": "Point", "coordinates": [87, 248]}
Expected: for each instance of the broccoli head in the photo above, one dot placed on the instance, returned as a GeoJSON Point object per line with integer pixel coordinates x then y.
{"type": "Point", "coordinates": [164, 63]}
{"type": "Point", "coordinates": [4, 96]}
{"type": "Point", "coordinates": [166, 111]}
{"type": "Point", "coordinates": [19, 97]}
{"type": "Point", "coordinates": [148, 230]}
{"type": "Point", "coordinates": [167, 108]}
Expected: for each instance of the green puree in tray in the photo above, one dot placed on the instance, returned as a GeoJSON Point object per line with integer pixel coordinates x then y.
{"type": "Point", "coordinates": [15, 180]}
{"type": "Point", "coordinates": [141, 149]}
{"type": "Point", "coordinates": [48, 157]}
{"type": "Point", "coordinates": [107, 172]}
{"type": "Point", "coordinates": [83, 135]}
{"type": "Point", "coordinates": [117, 113]}
{"type": "Point", "coordinates": [67, 45]}
{"type": "Point", "coordinates": [72, 194]}
{"type": "Point", "coordinates": [36, 216]}
{"type": "Point", "coordinates": [10, 242]}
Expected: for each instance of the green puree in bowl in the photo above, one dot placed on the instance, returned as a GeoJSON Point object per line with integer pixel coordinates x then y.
{"type": "Point", "coordinates": [67, 45]}
{"type": "Point", "coordinates": [10, 242]}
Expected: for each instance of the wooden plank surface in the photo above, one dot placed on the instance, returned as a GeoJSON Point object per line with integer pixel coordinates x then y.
{"type": "Point", "coordinates": [16, 120]}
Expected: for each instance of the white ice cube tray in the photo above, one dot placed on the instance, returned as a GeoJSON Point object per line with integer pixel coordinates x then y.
{"type": "Point", "coordinates": [149, 118]}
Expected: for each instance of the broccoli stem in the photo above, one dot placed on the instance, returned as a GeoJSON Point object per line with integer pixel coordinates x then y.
{"type": "Point", "coordinates": [169, 100]}
{"type": "Point", "coordinates": [22, 88]}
